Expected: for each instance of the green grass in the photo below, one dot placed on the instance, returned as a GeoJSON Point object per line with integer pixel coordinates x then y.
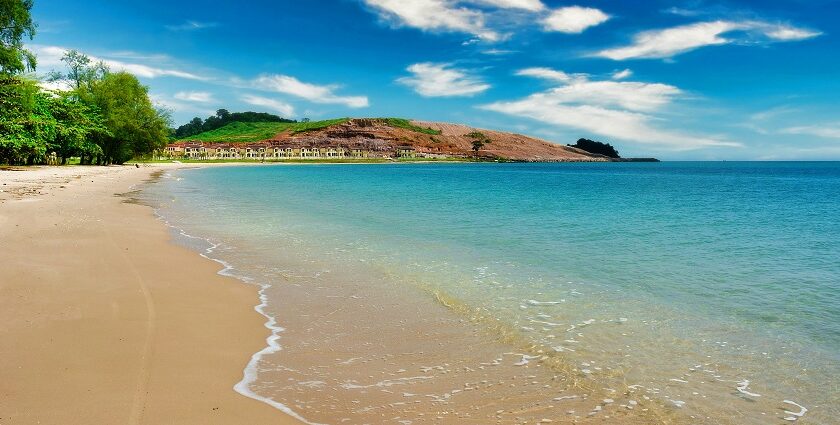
{"type": "Point", "coordinates": [406, 124]}
{"type": "Point", "coordinates": [242, 132]}
{"type": "Point", "coordinates": [302, 127]}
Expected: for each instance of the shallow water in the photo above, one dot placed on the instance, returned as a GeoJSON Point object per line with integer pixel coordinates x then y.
{"type": "Point", "coordinates": [703, 291]}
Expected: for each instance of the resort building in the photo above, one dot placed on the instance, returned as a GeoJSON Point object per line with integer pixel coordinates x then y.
{"type": "Point", "coordinates": [270, 150]}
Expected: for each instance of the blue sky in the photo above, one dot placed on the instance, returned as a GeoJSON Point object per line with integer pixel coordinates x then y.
{"type": "Point", "coordinates": [674, 79]}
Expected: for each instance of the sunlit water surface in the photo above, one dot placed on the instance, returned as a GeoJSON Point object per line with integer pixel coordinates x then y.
{"type": "Point", "coordinates": [710, 288]}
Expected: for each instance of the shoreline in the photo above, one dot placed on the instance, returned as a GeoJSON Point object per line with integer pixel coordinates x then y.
{"type": "Point", "coordinates": [334, 354]}
{"type": "Point", "coordinates": [107, 319]}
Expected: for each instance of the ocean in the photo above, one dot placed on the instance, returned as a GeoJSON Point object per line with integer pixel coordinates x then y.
{"type": "Point", "coordinates": [680, 292]}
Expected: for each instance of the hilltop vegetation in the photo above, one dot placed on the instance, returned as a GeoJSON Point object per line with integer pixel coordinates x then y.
{"type": "Point", "coordinates": [406, 124]}
{"type": "Point", "coordinates": [592, 146]}
{"type": "Point", "coordinates": [223, 118]}
{"type": "Point", "coordinates": [255, 131]}
{"type": "Point", "coordinates": [395, 138]}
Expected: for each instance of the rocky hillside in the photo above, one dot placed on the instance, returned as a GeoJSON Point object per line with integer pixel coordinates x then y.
{"type": "Point", "coordinates": [431, 139]}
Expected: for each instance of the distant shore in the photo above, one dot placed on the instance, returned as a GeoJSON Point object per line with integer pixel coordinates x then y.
{"type": "Point", "coordinates": [104, 321]}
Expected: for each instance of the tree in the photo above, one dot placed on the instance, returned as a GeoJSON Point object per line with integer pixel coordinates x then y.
{"type": "Point", "coordinates": [136, 127]}
{"type": "Point", "coordinates": [80, 72]}
{"type": "Point", "coordinates": [15, 23]}
{"type": "Point", "coordinates": [26, 125]}
{"type": "Point", "coordinates": [222, 118]}
{"type": "Point", "coordinates": [478, 142]}
{"type": "Point", "coordinates": [592, 146]}
{"type": "Point", "coordinates": [477, 145]}
{"type": "Point", "coordinates": [77, 124]}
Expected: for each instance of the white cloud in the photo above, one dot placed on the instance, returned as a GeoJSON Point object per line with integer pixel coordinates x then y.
{"type": "Point", "coordinates": [441, 80]}
{"type": "Point", "coordinates": [434, 15]}
{"type": "Point", "coordinates": [192, 26]}
{"type": "Point", "coordinates": [529, 5]}
{"type": "Point", "coordinates": [283, 108]}
{"type": "Point", "coordinates": [622, 75]}
{"type": "Point", "coordinates": [545, 74]}
{"type": "Point", "coordinates": [669, 42]}
{"type": "Point", "coordinates": [311, 92]}
{"type": "Point", "coordinates": [195, 96]}
{"type": "Point", "coordinates": [829, 131]}
{"type": "Point", "coordinates": [574, 19]}
{"type": "Point", "coordinates": [179, 106]}
{"type": "Point", "coordinates": [49, 57]}
{"type": "Point", "coordinates": [789, 33]}
{"type": "Point", "coordinates": [498, 52]}
{"type": "Point", "coordinates": [615, 109]}
{"type": "Point", "coordinates": [146, 71]}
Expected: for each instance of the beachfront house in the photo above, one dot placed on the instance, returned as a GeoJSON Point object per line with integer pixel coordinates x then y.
{"type": "Point", "coordinates": [406, 152]}
{"type": "Point", "coordinates": [359, 153]}
{"type": "Point", "coordinates": [256, 151]}
{"type": "Point", "coordinates": [194, 151]}
{"type": "Point", "coordinates": [175, 150]}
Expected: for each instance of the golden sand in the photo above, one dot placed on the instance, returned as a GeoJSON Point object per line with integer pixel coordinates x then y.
{"type": "Point", "coordinates": [103, 321]}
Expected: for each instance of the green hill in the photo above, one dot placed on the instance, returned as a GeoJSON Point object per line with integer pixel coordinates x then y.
{"type": "Point", "coordinates": [256, 131]}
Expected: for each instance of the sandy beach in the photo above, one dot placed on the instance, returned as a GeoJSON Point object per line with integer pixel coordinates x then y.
{"type": "Point", "coordinates": [103, 321]}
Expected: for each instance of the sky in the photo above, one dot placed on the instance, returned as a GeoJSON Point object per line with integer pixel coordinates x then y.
{"type": "Point", "coordinates": [679, 80]}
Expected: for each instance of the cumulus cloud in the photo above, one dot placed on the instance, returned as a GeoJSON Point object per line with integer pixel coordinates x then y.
{"type": "Point", "coordinates": [312, 92]}
{"type": "Point", "coordinates": [195, 96]}
{"type": "Point", "coordinates": [283, 108]}
{"type": "Point", "coordinates": [441, 80]}
{"type": "Point", "coordinates": [616, 109]}
{"type": "Point", "coordinates": [574, 19]}
{"type": "Point", "coordinates": [434, 15]}
{"type": "Point", "coordinates": [669, 42]}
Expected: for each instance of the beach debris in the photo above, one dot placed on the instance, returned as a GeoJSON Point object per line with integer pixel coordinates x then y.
{"type": "Point", "coordinates": [794, 415]}
{"type": "Point", "coordinates": [743, 388]}
{"type": "Point", "coordinates": [535, 302]}
{"type": "Point", "coordinates": [525, 360]}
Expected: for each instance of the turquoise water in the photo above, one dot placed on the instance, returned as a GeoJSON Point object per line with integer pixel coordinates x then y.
{"type": "Point", "coordinates": [712, 287]}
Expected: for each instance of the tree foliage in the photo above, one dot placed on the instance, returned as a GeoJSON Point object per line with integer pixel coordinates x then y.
{"type": "Point", "coordinates": [81, 73]}
{"type": "Point", "coordinates": [26, 125]}
{"type": "Point", "coordinates": [107, 118]}
{"type": "Point", "coordinates": [15, 23]}
{"type": "Point", "coordinates": [35, 123]}
{"type": "Point", "coordinates": [135, 126]}
{"type": "Point", "coordinates": [592, 146]}
{"type": "Point", "coordinates": [478, 141]}
{"type": "Point", "coordinates": [77, 125]}
{"type": "Point", "coordinates": [222, 118]}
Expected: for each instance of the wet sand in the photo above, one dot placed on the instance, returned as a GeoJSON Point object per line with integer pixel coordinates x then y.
{"type": "Point", "coordinates": [357, 348]}
{"type": "Point", "coordinates": [104, 321]}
